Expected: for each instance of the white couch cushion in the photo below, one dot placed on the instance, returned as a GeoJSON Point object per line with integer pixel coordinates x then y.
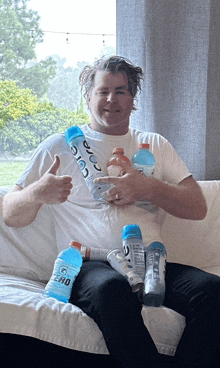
{"type": "Point", "coordinates": [25, 311]}
{"type": "Point", "coordinates": [196, 243]}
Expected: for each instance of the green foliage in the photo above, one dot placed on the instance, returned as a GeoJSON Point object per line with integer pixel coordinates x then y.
{"type": "Point", "coordinates": [38, 76]}
{"type": "Point", "coordinates": [27, 133]}
{"type": "Point", "coordinates": [44, 106]}
{"type": "Point", "coordinates": [15, 102]}
{"type": "Point", "coordinates": [64, 90]}
{"type": "Point", "coordinates": [19, 34]}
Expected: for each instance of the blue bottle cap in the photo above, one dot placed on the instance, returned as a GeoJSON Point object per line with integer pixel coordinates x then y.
{"type": "Point", "coordinates": [157, 245]}
{"type": "Point", "coordinates": [73, 132]}
{"type": "Point", "coordinates": [131, 231]}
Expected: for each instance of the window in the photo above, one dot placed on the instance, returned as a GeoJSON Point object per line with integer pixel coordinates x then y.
{"type": "Point", "coordinates": [43, 48]}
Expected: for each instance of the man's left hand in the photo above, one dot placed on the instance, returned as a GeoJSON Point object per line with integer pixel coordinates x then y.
{"type": "Point", "coordinates": [127, 188]}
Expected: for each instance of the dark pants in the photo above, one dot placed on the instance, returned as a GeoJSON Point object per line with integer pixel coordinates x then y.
{"type": "Point", "coordinates": [106, 296]}
{"type": "Point", "coordinates": [17, 351]}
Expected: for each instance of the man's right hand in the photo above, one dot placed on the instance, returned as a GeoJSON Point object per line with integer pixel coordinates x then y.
{"type": "Point", "coordinates": [51, 188]}
{"type": "Point", "coordinates": [21, 206]}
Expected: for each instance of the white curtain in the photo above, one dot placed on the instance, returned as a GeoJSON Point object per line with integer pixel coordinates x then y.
{"type": "Point", "coordinates": [177, 43]}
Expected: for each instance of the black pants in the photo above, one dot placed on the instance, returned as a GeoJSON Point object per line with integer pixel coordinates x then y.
{"type": "Point", "coordinates": [106, 296]}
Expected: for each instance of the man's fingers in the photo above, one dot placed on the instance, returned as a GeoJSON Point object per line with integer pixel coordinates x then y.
{"type": "Point", "coordinates": [126, 166]}
{"type": "Point", "coordinates": [55, 165]}
{"type": "Point", "coordinates": [106, 179]}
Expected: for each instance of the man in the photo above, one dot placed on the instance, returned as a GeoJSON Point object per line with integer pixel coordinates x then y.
{"type": "Point", "coordinates": [53, 178]}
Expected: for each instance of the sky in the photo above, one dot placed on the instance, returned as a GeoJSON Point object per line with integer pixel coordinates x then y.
{"type": "Point", "coordinates": [75, 16]}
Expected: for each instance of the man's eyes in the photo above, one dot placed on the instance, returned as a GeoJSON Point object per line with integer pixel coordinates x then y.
{"type": "Point", "coordinates": [102, 93]}
{"type": "Point", "coordinates": [106, 93]}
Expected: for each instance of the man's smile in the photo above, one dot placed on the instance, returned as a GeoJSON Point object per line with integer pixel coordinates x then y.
{"type": "Point", "coordinates": [111, 111]}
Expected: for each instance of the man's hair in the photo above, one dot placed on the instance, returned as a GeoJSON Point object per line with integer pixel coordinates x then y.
{"type": "Point", "coordinates": [113, 64]}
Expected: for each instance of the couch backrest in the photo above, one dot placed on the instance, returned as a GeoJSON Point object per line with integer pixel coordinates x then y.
{"type": "Point", "coordinates": [31, 251]}
{"type": "Point", "coordinates": [196, 243]}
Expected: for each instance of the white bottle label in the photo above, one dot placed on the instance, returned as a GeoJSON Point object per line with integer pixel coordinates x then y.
{"type": "Point", "coordinates": [118, 261]}
{"type": "Point", "coordinates": [114, 170]}
{"type": "Point", "coordinates": [147, 170]}
{"type": "Point", "coordinates": [99, 254]}
{"type": "Point", "coordinates": [134, 253]}
{"type": "Point", "coordinates": [89, 167]}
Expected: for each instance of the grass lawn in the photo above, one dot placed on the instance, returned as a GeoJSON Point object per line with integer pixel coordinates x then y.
{"type": "Point", "coordinates": [11, 171]}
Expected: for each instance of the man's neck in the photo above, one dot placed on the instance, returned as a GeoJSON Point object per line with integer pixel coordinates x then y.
{"type": "Point", "coordinates": [110, 130]}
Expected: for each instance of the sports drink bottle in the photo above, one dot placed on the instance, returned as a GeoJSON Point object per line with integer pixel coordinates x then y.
{"type": "Point", "coordinates": [66, 268]}
{"type": "Point", "coordinates": [86, 160]}
{"type": "Point", "coordinates": [118, 261]}
{"type": "Point", "coordinates": [113, 165]}
{"type": "Point", "coordinates": [134, 248]}
{"type": "Point", "coordinates": [154, 283]}
{"type": "Point", "coordinates": [90, 253]}
{"type": "Point", "coordinates": [144, 162]}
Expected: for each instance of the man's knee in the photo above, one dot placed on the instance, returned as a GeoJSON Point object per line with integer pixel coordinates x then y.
{"type": "Point", "coordinates": [111, 287]}
{"type": "Point", "coordinates": [206, 296]}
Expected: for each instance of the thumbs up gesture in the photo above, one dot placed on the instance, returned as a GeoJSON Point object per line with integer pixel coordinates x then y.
{"type": "Point", "coordinates": [51, 188]}
{"type": "Point", "coordinates": [55, 165]}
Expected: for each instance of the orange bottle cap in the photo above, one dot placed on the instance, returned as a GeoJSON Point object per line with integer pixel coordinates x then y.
{"type": "Point", "coordinates": [118, 150]}
{"type": "Point", "coordinates": [144, 145]}
{"type": "Point", "coordinates": [75, 244]}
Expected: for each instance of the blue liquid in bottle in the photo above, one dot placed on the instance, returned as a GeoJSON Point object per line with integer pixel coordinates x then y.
{"type": "Point", "coordinates": [66, 268]}
{"type": "Point", "coordinates": [144, 162]}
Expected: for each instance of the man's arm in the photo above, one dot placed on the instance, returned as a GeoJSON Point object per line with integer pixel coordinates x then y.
{"type": "Point", "coordinates": [184, 200]}
{"type": "Point", "coordinates": [1, 206]}
{"type": "Point", "coordinates": [21, 206]}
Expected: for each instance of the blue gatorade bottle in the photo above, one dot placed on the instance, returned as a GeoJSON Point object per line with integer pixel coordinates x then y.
{"type": "Point", "coordinates": [144, 162]}
{"type": "Point", "coordinates": [66, 268]}
{"type": "Point", "coordinates": [86, 160]}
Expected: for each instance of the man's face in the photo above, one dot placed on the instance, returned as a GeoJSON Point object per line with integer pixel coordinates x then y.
{"type": "Point", "coordinates": [110, 103]}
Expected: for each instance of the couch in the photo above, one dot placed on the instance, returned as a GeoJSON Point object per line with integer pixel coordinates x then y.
{"type": "Point", "coordinates": [24, 271]}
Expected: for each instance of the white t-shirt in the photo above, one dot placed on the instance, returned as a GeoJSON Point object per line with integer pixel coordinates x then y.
{"type": "Point", "coordinates": [86, 220]}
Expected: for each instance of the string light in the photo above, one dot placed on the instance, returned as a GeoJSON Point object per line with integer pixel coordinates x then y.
{"type": "Point", "coordinates": [62, 32]}
{"type": "Point", "coordinates": [66, 33]}
{"type": "Point", "coordinates": [67, 39]}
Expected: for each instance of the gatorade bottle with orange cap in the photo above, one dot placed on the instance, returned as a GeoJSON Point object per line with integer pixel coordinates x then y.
{"type": "Point", "coordinates": [92, 253]}
{"type": "Point", "coordinates": [66, 268]}
{"type": "Point", "coordinates": [144, 161]}
{"type": "Point", "coordinates": [113, 166]}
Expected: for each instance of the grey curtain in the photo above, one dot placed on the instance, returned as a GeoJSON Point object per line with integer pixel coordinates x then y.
{"type": "Point", "coordinates": [177, 43]}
